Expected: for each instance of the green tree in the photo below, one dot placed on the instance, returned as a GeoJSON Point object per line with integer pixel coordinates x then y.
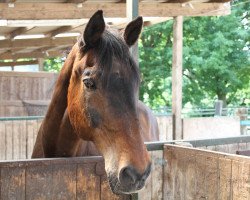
{"type": "Point", "coordinates": [216, 57]}
{"type": "Point", "coordinates": [155, 47]}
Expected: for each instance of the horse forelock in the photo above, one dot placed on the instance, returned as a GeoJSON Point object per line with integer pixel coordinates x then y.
{"type": "Point", "coordinates": [111, 51]}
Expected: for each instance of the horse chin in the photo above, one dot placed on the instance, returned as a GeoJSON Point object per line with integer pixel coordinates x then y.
{"type": "Point", "coordinates": [119, 189]}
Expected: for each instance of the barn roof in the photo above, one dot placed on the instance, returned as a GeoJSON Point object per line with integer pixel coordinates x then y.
{"type": "Point", "coordinates": [44, 28]}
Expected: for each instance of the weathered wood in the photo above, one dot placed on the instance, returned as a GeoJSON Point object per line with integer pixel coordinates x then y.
{"type": "Point", "coordinates": [157, 174]}
{"type": "Point", "coordinates": [177, 77]}
{"type": "Point", "coordinates": [225, 178]}
{"type": "Point", "coordinates": [12, 183]}
{"type": "Point", "coordinates": [88, 184]}
{"type": "Point", "coordinates": [2, 141]}
{"type": "Point", "coordinates": [71, 11]}
{"type": "Point", "coordinates": [146, 192]}
{"type": "Point", "coordinates": [217, 175]}
{"type": "Point", "coordinates": [39, 181]}
{"type": "Point", "coordinates": [9, 140]}
{"type": "Point", "coordinates": [190, 176]}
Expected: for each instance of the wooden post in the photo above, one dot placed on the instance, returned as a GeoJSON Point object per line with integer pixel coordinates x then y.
{"type": "Point", "coordinates": [40, 64]}
{"type": "Point", "coordinates": [218, 108]}
{"type": "Point", "coordinates": [177, 77]}
{"type": "Point", "coordinates": [132, 13]}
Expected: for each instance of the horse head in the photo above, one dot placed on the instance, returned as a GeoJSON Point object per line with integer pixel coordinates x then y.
{"type": "Point", "coordinates": [103, 98]}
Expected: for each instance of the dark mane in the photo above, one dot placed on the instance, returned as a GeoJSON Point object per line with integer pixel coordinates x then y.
{"type": "Point", "coordinates": [112, 48]}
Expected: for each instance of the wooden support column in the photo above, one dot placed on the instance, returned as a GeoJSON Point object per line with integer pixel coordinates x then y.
{"type": "Point", "coordinates": [40, 64]}
{"type": "Point", "coordinates": [132, 12]}
{"type": "Point", "coordinates": [177, 77]}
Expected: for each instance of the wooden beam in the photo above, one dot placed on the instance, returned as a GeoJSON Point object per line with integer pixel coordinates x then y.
{"type": "Point", "coordinates": [18, 31]}
{"type": "Point", "coordinates": [25, 11]}
{"type": "Point", "coordinates": [57, 31]}
{"type": "Point", "coordinates": [37, 43]}
{"type": "Point", "coordinates": [34, 54]}
{"type": "Point", "coordinates": [177, 77]}
{"type": "Point", "coordinates": [11, 64]}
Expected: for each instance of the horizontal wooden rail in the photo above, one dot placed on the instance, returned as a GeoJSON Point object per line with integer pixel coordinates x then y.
{"type": "Point", "coordinates": [153, 146]}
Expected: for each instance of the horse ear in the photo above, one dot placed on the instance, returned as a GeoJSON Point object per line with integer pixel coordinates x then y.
{"type": "Point", "coordinates": [132, 31]}
{"type": "Point", "coordinates": [94, 29]}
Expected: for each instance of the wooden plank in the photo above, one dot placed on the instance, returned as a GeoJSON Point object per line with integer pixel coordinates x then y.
{"type": "Point", "coordinates": [23, 140]}
{"type": "Point", "coordinates": [180, 179]}
{"type": "Point", "coordinates": [71, 11]}
{"type": "Point", "coordinates": [16, 139]}
{"type": "Point", "coordinates": [190, 191]}
{"type": "Point", "coordinates": [235, 190]}
{"type": "Point", "coordinates": [9, 140]}
{"type": "Point", "coordinates": [244, 180]}
{"type": "Point", "coordinates": [12, 183]}
{"type": "Point", "coordinates": [30, 137]}
{"type": "Point", "coordinates": [39, 182]}
{"type": "Point", "coordinates": [31, 62]}
{"type": "Point", "coordinates": [2, 141]}
{"type": "Point", "coordinates": [157, 175]}
{"type": "Point", "coordinates": [88, 184]}
{"type": "Point", "coordinates": [64, 181]}
{"type": "Point", "coordinates": [225, 175]}
{"type": "Point", "coordinates": [169, 174]}
{"type": "Point", "coordinates": [200, 177]}
{"type": "Point", "coordinates": [146, 192]}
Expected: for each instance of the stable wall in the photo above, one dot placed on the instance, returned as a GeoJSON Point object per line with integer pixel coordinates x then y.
{"type": "Point", "coordinates": [25, 93]}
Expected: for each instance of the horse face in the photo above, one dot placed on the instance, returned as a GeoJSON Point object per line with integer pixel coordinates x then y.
{"type": "Point", "coordinates": [102, 103]}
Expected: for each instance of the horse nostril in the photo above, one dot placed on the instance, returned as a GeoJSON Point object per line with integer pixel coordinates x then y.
{"type": "Point", "coordinates": [128, 175]}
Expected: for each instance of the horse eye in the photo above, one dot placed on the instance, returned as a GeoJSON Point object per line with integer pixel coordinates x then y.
{"type": "Point", "coordinates": [89, 83]}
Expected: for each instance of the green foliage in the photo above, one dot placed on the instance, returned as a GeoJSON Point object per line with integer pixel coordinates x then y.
{"type": "Point", "coordinates": [216, 62]}
{"type": "Point", "coordinates": [53, 64]}
{"type": "Point", "coordinates": [155, 47]}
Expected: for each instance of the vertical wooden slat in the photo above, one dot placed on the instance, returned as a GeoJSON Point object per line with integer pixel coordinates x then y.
{"type": "Point", "coordinates": [180, 181]}
{"type": "Point", "coordinates": [64, 181]}
{"type": "Point", "coordinates": [244, 180]}
{"type": "Point", "coordinates": [88, 184]}
{"type": "Point", "coordinates": [23, 141]}
{"type": "Point", "coordinates": [9, 140]}
{"type": "Point", "coordinates": [2, 141]}
{"type": "Point", "coordinates": [12, 183]}
{"type": "Point", "coordinates": [225, 178]}
{"type": "Point", "coordinates": [30, 137]}
{"type": "Point", "coordinates": [146, 192]}
{"type": "Point", "coordinates": [200, 176]}
{"type": "Point", "coordinates": [211, 185]}
{"type": "Point", "coordinates": [16, 139]}
{"type": "Point", "coordinates": [39, 182]}
{"type": "Point", "coordinates": [235, 181]}
{"type": "Point", "coordinates": [157, 174]}
{"type": "Point", "coordinates": [190, 176]}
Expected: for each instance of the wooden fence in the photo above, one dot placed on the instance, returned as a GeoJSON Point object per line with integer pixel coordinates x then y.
{"type": "Point", "coordinates": [17, 138]}
{"type": "Point", "coordinates": [25, 93]}
{"type": "Point", "coordinates": [178, 173]}
{"type": "Point", "coordinates": [52, 179]}
{"type": "Point", "coordinates": [193, 173]}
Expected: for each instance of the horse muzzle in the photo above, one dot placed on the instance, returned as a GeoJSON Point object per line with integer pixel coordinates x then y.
{"type": "Point", "coordinates": [129, 180]}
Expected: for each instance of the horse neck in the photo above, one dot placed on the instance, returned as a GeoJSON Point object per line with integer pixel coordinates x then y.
{"type": "Point", "coordinates": [50, 128]}
{"type": "Point", "coordinates": [67, 143]}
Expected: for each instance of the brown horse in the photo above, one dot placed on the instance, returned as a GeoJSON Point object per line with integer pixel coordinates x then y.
{"type": "Point", "coordinates": [96, 100]}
